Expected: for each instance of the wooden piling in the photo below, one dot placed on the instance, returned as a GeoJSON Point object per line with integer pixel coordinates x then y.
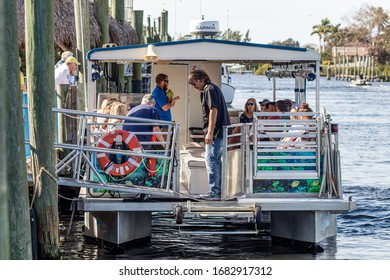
{"type": "Point", "coordinates": [66, 125]}
{"type": "Point", "coordinates": [328, 71]}
{"type": "Point", "coordinates": [137, 23]}
{"type": "Point", "coordinates": [81, 10]}
{"type": "Point", "coordinates": [100, 11]}
{"type": "Point", "coordinates": [118, 12]}
{"type": "Point", "coordinates": [19, 214]}
{"type": "Point", "coordinates": [5, 253]}
{"type": "Point", "coordinates": [40, 79]}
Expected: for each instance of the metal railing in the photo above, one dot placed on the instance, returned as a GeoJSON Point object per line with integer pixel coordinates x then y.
{"type": "Point", "coordinates": [80, 157]}
{"type": "Point", "coordinates": [287, 145]}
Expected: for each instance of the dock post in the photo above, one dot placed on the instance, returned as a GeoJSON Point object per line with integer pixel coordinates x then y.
{"type": "Point", "coordinates": [137, 23]}
{"type": "Point", "coordinates": [100, 11]}
{"type": "Point", "coordinates": [5, 253]}
{"type": "Point", "coordinates": [14, 153]}
{"type": "Point", "coordinates": [81, 10]}
{"type": "Point", "coordinates": [39, 16]}
{"type": "Point", "coordinates": [118, 13]}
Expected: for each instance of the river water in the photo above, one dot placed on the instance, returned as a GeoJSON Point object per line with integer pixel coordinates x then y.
{"type": "Point", "coordinates": [363, 116]}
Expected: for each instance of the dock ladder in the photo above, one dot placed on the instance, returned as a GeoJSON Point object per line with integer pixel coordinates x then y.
{"type": "Point", "coordinates": [221, 218]}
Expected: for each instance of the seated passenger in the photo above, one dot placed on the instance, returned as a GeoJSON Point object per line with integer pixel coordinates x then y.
{"type": "Point", "coordinates": [263, 105]}
{"type": "Point", "coordinates": [105, 108]}
{"type": "Point", "coordinates": [271, 107]}
{"type": "Point", "coordinates": [117, 109]}
{"type": "Point", "coordinates": [246, 117]}
{"type": "Point", "coordinates": [145, 110]}
{"type": "Point", "coordinates": [282, 106]}
{"type": "Point", "coordinates": [303, 108]}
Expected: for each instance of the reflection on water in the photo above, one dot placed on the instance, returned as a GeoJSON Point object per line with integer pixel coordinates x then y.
{"type": "Point", "coordinates": [167, 242]}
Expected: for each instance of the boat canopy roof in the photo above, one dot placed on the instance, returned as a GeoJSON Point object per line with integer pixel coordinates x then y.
{"type": "Point", "coordinates": [206, 50]}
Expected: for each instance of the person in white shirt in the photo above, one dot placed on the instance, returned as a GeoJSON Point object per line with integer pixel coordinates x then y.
{"type": "Point", "coordinates": [64, 56]}
{"type": "Point", "coordinates": [66, 73]}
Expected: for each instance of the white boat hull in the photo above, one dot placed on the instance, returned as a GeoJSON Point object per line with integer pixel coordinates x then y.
{"type": "Point", "coordinates": [228, 92]}
{"type": "Point", "coordinates": [360, 82]}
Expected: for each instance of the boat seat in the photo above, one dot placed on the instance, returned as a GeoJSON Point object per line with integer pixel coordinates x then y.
{"type": "Point", "coordinates": [196, 134]}
{"type": "Point", "coordinates": [193, 145]}
{"type": "Point", "coordinates": [193, 170]}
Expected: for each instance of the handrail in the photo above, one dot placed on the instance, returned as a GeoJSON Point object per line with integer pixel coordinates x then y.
{"type": "Point", "coordinates": [277, 154]}
{"type": "Point", "coordinates": [80, 155]}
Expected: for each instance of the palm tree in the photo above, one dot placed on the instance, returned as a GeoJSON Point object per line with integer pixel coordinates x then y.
{"type": "Point", "coordinates": [246, 37]}
{"type": "Point", "coordinates": [321, 30]}
{"type": "Point", "coordinates": [380, 19]}
{"type": "Point", "coordinates": [334, 37]}
{"type": "Point", "coordinates": [231, 35]}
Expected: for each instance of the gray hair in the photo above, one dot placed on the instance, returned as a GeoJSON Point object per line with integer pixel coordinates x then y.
{"type": "Point", "coordinates": [198, 75]}
{"type": "Point", "coordinates": [66, 54]}
{"type": "Point", "coordinates": [148, 99]}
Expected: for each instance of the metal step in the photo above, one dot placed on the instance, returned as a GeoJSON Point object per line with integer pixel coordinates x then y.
{"type": "Point", "coordinates": [219, 227]}
{"type": "Point", "coordinates": [216, 216]}
{"type": "Point", "coordinates": [233, 232]}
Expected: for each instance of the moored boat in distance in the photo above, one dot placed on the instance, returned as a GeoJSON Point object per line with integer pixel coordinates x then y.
{"type": "Point", "coordinates": [227, 89]}
{"type": "Point", "coordinates": [360, 82]}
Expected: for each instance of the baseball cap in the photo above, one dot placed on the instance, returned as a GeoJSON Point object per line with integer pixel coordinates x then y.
{"type": "Point", "coordinates": [72, 60]}
{"type": "Point", "coordinates": [264, 102]}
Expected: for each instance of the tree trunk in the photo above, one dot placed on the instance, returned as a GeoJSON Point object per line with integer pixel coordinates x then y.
{"type": "Point", "coordinates": [81, 11]}
{"type": "Point", "coordinates": [40, 78]}
{"type": "Point", "coordinates": [4, 219]}
{"type": "Point", "coordinates": [118, 12]}
{"type": "Point", "coordinates": [20, 230]}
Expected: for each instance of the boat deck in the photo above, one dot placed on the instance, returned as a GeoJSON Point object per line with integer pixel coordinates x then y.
{"type": "Point", "coordinates": [164, 203]}
{"type": "Point", "coordinates": [167, 205]}
{"type": "Point", "coordinates": [123, 198]}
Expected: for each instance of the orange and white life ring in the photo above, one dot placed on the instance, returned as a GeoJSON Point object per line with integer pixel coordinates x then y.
{"type": "Point", "coordinates": [119, 169]}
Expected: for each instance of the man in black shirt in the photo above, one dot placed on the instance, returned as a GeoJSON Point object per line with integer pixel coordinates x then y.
{"type": "Point", "coordinates": [215, 116]}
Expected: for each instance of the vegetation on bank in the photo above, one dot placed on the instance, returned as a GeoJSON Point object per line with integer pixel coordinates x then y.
{"type": "Point", "coordinates": [369, 27]}
{"type": "Point", "coordinates": [381, 72]}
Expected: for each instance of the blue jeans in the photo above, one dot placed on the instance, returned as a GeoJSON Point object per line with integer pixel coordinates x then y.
{"type": "Point", "coordinates": [214, 165]}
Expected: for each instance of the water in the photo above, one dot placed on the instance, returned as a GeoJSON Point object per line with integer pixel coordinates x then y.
{"type": "Point", "coordinates": [363, 116]}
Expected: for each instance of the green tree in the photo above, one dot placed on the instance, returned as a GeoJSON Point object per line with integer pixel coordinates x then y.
{"type": "Point", "coordinates": [321, 30]}
{"type": "Point", "coordinates": [235, 36]}
{"type": "Point", "coordinates": [289, 43]}
{"type": "Point", "coordinates": [246, 37]}
{"type": "Point", "coordinates": [372, 22]}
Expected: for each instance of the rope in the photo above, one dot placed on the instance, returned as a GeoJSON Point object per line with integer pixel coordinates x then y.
{"type": "Point", "coordinates": [37, 186]}
{"type": "Point", "coordinates": [157, 169]}
{"type": "Point", "coordinates": [71, 219]}
{"type": "Point", "coordinates": [69, 116]}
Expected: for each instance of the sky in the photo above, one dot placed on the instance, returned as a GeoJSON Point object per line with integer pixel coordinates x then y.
{"type": "Point", "coordinates": [272, 20]}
